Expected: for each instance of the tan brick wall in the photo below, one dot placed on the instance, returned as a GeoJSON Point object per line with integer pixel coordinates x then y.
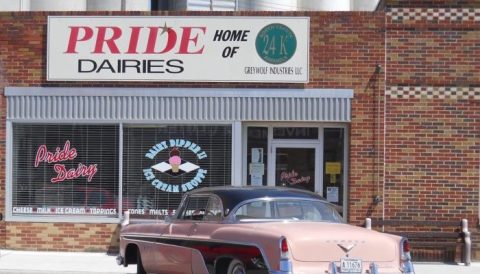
{"type": "Point", "coordinates": [62, 236]}
{"type": "Point", "coordinates": [432, 3]}
{"type": "Point", "coordinates": [433, 115]}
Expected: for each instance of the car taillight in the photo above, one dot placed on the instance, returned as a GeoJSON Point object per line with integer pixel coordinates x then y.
{"type": "Point", "coordinates": [284, 246]}
{"type": "Point", "coordinates": [285, 262]}
{"type": "Point", "coordinates": [406, 246]}
{"type": "Point", "coordinates": [406, 265]}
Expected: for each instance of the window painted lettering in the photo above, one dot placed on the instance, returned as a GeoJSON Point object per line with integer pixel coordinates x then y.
{"type": "Point", "coordinates": [43, 155]}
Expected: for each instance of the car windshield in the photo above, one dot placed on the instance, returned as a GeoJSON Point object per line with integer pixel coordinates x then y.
{"type": "Point", "coordinates": [287, 209]}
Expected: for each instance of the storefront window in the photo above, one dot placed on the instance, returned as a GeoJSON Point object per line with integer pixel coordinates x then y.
{"type": "Point", "coordinates": [295, 167]}
{"type": "Point", "coordinates": [257, 155]}
{"type": "Point", "coordinates": [160, 163]}
{"type": "Point", "coordinates": [65, 170]}
{"type": "Point", "coordinates": [333, 165]}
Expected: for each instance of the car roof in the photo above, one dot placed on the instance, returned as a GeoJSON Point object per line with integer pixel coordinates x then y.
{"type": "Point", "coordinates": [232, 196]}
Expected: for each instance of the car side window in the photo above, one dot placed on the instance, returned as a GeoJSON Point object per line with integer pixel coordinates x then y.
{"type": "Point", "coordinates": [202, 208]}
{"type": "Point", "coordinates": [214, 210]}
{"type": "Point", "coordinates": [254, 210]}
{"type": "Point", "coordinates": [289, 210]}
{"type": "Point", "coordinates": [195, 208]}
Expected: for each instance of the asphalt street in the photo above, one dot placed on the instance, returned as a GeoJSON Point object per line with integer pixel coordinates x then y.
{"type": "Point", "coordinates": [31, 262]}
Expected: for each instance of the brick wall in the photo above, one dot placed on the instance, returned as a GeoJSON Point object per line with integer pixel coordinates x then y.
{"type": "Point", "coordinates": [62, 237]}
{"type": "Point", "coordinates": [345, 49]}
{"type": "Point", "coordinates": [433, 115]}
{"type": "Point", "coordinates": [432, 3]}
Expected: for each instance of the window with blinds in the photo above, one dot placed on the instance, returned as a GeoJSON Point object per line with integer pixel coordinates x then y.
{"type": "Point", "coordinates": [65, 170]}
{"type": "Point", "coordinates": [160, 163]}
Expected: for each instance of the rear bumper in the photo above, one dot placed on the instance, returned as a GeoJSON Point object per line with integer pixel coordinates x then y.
{"type": "Point", "coordinates": [334, 268]}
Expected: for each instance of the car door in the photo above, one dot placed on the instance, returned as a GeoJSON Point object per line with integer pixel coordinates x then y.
{"type": "Point", "coordinates": [175, 254]}
{"type": "Point", "coordinates": [202, 230]}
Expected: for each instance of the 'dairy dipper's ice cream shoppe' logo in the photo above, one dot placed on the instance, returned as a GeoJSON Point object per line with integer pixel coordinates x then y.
{"type": "Point", "coordinates": [175, 165]}
{"type": "Point", "coordinates": [276, 44]}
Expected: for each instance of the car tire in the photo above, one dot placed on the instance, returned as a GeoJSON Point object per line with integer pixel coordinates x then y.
{"type": "Point", "coordinates": [140, 269]}
{"type": "Point", "coordinates": [236, 267]}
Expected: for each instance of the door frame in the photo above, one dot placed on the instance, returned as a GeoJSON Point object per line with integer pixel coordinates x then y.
{"type": "Point", "coordinates": [312, 144]}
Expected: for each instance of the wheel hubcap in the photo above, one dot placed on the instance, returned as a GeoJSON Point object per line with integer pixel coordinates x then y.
{"type": "Point", "coordinates": [238, 270]}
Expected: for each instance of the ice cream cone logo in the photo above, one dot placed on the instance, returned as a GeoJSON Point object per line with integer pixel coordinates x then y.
{"type": "Point", "coordinates": [175, 159]}
{"type": "Point", "coordinates": [172, 165]}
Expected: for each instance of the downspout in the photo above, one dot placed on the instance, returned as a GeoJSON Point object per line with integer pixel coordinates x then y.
{"type": "Point", "coordinates": [384, 115]}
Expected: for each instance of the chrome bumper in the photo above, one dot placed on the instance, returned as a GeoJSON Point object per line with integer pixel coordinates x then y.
{"type": "Point", "coordinates": [285, 267]}
{"type": "Point", "coordinates": [334, 269]}
{"type": "Point", "coordinates": [120, 260]}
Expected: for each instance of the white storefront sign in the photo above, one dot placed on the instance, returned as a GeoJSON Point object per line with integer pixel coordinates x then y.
{"type": "Point", "coordinates": [186, 49]}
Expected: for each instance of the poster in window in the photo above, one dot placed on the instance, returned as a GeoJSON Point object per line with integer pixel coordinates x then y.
{"type": "Point", "coordinates": [332, 194]}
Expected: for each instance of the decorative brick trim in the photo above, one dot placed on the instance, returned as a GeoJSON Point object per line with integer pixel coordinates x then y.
{"type": "Point", "coordinates": [452, 93]}
{"type": "Point", "coordinates": [417, 14]}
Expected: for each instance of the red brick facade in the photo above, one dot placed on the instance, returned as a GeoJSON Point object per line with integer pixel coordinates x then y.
{"type": "Point", "coordinates": [433, 113]}
{"type": "Point", "coordinates": [415, 131]}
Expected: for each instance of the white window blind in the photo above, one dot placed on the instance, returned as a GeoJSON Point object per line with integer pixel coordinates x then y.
{"type": "Point", "coordinates": [65, 170]}
{"type": "Point", "coordinates": [152, 185]}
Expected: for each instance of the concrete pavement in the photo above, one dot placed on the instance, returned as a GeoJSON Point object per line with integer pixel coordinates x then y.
{"type": "Point", "coordinates": [439, 268]}
{"type": "Point", "coordinates": [39, 262]}
{"type": "Point", "coordinates": [29, 262]}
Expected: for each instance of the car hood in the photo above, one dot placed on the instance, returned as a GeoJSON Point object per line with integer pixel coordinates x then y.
{"type": "Point", "coordinates": [315, 241]}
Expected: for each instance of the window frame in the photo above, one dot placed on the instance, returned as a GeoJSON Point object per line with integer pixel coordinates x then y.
{"type": "Point", "coordinates": [52, 218]}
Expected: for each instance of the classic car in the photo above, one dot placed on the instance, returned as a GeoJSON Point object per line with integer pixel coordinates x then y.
{"type": "Point", "coordinates": [237, 230]}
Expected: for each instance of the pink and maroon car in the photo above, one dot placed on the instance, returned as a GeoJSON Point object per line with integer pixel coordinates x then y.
{"type": "Point", "coordinates": [236, 230]}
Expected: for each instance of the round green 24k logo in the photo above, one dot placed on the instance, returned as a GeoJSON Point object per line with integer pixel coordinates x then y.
{"type": "Point", "coordinates": [276, 44]}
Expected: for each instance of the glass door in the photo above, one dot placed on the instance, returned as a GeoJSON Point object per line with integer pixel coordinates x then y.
{"type": "Point", "coordinates": [296, 165]}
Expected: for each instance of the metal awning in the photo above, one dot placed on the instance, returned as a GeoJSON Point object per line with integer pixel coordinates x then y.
{"type": "Point", "coordinates": [177, 104]}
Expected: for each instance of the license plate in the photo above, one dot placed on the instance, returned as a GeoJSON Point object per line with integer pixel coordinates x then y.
{"type": "Point", "coordinates": [348, 265]}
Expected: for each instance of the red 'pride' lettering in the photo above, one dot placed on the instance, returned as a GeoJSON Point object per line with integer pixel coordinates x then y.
{"type": "Point", "coordinates": [43, 155]}
{"type": "Point", "coordinates": [104, 39]}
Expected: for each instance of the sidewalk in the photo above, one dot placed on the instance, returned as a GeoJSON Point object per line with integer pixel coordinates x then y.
{"type": "Point", "coordinates": [439, 268]}
{"type": "Point", "coordinates": [29, 262]}
{"type": "Point", "coordinates": [39, 262]}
